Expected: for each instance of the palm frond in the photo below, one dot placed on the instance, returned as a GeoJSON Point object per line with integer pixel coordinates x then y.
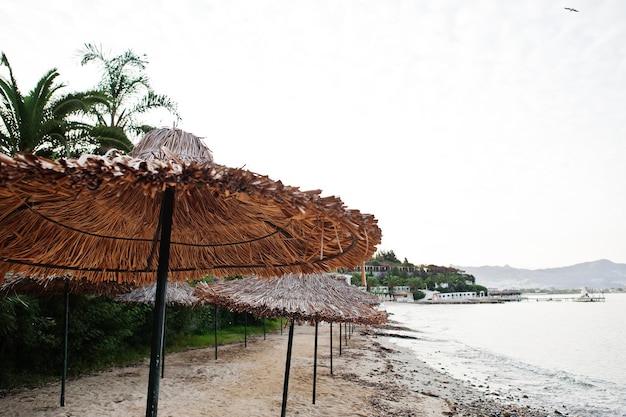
{"type": "Point", "coordinates": [157, 101]}
{"type": "Point", "coordinates": [111, 138]}
{"type": "Point", "coordinates": [128, 89]}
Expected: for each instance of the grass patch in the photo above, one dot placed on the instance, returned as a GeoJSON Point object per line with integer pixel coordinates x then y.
{"type": "Point", "coordinates": [226, 335]}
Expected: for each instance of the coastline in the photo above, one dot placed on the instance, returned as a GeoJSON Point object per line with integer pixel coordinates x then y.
{"type": "Point", "coordinates": [372, 377]}
{"type": "Point", "coordinates": [462, 398]}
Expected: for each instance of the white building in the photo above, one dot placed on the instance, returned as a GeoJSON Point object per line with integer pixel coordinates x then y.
{"type": "Point", "coordinates": [447, 296]}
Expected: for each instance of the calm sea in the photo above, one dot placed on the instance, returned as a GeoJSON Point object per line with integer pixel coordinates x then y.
{"type": "Point", "coordinates": [566, 355]}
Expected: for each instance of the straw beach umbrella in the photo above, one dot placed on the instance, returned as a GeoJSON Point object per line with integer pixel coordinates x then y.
{"type": "Point", "coordinates": [168, 211]}
{"type": "Point", "coordinates": [60, 285]}
{"type": "Point", "coordinates": [299, 297]}
{"type": "Point", "coordinates": [179, 293]}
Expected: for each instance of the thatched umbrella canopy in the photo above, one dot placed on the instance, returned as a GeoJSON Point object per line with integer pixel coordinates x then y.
{"type": "Point", "coordinates": [299, 297]}
{"type": "Point", "coordinates": [283, 297]}
{"type": "Point", "coordinates": [59, 285]}
{"type": "Point", "coordinates": [179, 293]}
{"type": "Point", "coordinates": [98, 217]}
{"type": "Point", "coordinates": [65, 285]}
{"type": "Point", "coordinates": [357, 294]}
{"type": "Point", "coordinates": [176, 293]}
{"type": "Point", "coordinates": [168, 211]}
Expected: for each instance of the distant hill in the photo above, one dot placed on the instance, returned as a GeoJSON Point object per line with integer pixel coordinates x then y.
{"type": "Point", "coordinates": [601, 274]}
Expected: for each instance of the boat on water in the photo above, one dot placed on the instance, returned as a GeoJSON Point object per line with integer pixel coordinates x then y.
{"type": "Point", "coordinates": [585, 297]}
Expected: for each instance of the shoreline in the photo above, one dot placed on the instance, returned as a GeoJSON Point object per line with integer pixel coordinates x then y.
{"type": "Point", "coordinates": [373, 378]}
{"type": "Point", "coordinates": [462, 398]}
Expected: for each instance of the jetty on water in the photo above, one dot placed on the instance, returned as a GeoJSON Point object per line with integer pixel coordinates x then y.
{"type": "Point", "coordinates": [584, 297]}
{"type": "Point", "coordinates": [589, 299]}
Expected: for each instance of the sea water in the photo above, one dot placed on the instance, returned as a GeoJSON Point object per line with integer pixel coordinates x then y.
{"type": "Point", "coordinates": [565, 355]}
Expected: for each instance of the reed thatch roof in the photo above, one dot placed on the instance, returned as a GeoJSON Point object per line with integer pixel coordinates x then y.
{"type": "Point", "coordinates": [300, 297]}
{"type": "Point", "coordinates": [97, 217]}
{"type": "Point", "coordinates": [179, 293]}
{"type": "Point", "coordinates": [56, 285]}
{"type": "Point", "coordinates": [358, 295]}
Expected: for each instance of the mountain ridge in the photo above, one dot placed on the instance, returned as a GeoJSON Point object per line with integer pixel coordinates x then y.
{"type": "Point", "coordinates": [599, 274]}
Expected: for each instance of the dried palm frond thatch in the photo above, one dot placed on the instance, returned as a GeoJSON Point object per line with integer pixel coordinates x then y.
{"type": "Point", "coordinates": [299, 297]}
{"type": "Point", "coordinates": [98, 217]}
{"type": "Point", "coordinates": [179, 293]}
{"type": "Point", "coordinates": [182, 148]}
{"type": "Point", "coordinates": [58, 285]}
{"type": "Point", "coordinates": [359, 295]}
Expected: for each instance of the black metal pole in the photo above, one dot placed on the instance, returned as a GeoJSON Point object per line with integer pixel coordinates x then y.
{"type": "Point", "coordinates": [65, 332]}
{"type": "Point", "coordinates": [331, 348]}
{"type": "Point", "coordinates": [245, 330]}
{"type": "Point", "coordinates": [315, 363]}
{"type": "Point", "coordinates": [339, 339]}
{"type": "Point", "coordinates": [215, 329]}
{"type": "Point", "coordinates": [287, 366]}
{"type": "Point", "coordinates": [346, 333]}
{"type": "Point", "coordinates": [167, 210]}
{"type": "Point", "coordinates": [281, 325]}
{"type": "Point", "coordinates": [163, 345]}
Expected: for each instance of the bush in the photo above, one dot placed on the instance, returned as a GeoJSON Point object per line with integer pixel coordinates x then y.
{"type": "Point", "coordinates": [418, 295]}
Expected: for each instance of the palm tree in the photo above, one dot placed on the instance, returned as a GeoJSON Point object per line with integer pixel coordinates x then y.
{"type": "Point", "coordinates": [46, 122]}
{"type": "Point", "coordinates": [128, 91]}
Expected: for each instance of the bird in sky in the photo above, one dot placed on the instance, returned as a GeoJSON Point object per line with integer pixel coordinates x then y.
{"type": "Point", "coordinates": [571, 9]}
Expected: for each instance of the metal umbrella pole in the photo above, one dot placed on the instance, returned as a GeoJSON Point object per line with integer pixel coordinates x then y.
{"type": "Point", "coordinates": [339, 339]}
{"type": "Point", "coordinates": [165, 221]}
{"type": "Point", "coordinates": [215, 329]}
{"type": "Point", "coordinates": [283, 410]}
{"type": "Point", "coordinates": [331, 347]}
{"type": "Point", "coordinates": [315, 362]}
{"type": "Point", "coordinates": [65, 332]}
{"type": "Point", "coordinates": [163, 343]}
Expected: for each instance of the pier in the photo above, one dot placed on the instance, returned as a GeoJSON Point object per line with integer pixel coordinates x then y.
{"type": "Point", "coordinates": [580, 299]}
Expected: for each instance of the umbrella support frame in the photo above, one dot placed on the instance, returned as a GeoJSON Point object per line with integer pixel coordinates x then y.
{"type": "Point", "coordinates": [165, 221]}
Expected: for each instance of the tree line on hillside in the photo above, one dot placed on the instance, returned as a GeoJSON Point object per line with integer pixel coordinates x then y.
{"type": "Point", "coordinates": [417, 277]}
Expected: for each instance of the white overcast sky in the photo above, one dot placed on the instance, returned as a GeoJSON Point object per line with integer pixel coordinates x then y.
{"type": "Point", "coordinates": [485, 132]}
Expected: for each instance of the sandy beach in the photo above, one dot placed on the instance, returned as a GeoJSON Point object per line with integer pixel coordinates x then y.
{"type": "Point", "coordinates": [370, 378]}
